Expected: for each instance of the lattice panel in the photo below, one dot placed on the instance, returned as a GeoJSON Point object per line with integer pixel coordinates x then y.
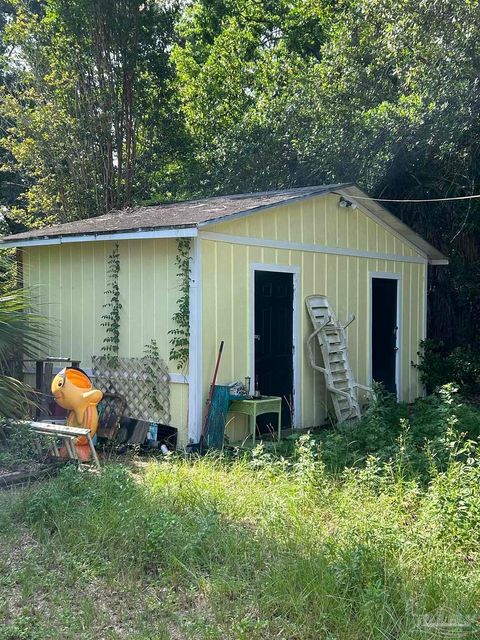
{"type": "Point", "coordinates": [143, 382]}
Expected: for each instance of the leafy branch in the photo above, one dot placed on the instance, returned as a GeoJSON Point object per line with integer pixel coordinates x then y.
{"type": "Point", "coordinates": [180, 336]}
{"type": "Point", "coordinates": [113, 306]}
{"type": "Point", "coordinates": [151, 356]}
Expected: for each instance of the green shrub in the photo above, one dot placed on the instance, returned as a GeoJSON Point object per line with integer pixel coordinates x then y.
{"type": "Point", "coordinates": [439, 366]}
{"type": "Point", "coordinates": [17, 445]}
{"type": "Point", "coordinates": [415, 438]}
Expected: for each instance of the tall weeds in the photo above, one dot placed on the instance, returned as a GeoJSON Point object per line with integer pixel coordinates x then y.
{"type": "Point", "coordinates": [267, 546]}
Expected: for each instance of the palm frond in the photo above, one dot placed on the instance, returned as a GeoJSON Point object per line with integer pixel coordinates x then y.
{"type": "Point", "coordinates": [21, 328]}
{"type": "Point", "coordinates": [23, 335]}
{"type": "Point", "coordinates": [16, 399]}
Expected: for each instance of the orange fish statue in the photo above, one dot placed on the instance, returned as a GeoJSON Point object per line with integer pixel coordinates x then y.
{"type": "Point", "coordinates": [73, 390]}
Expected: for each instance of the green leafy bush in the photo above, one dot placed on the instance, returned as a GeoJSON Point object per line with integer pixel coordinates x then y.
{"type": "Point", "coordinates": [438, 367]}
{"type": "Point", "coordinates": [416, 437]}
{"type": "Point", "coordinates": [17, 446]}
{"type": "Point", "coordinates": [452, 504]}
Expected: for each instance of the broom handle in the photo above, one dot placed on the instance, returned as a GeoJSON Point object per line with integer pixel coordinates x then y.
{"type": "Point", "coordinates": [212, 387]}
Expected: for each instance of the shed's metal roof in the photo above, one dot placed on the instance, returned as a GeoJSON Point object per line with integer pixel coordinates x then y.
{"type": "Point", "coordinates": [193, 214]}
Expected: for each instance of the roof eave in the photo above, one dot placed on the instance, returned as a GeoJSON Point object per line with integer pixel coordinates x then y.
{"type": "Point", "coordinates": [157, 231]}
{"type": "Point", "coordinates": [373, 209]}
{"type": "Point", "coordinates": [134, 234]}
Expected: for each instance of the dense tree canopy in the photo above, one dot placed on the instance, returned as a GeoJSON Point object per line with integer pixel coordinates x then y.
{"type": "Point", "coordinates": [86, 113]}
{"type": "Point", "coordinates": [112, 102]}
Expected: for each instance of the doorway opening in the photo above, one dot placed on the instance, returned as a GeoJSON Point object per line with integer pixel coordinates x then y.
{"type": "Point", "coordinates": [385, 332]}
{"type": "Point", "coordinates": [274, 343]}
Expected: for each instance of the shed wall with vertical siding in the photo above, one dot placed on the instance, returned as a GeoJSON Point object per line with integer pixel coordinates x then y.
{"type": "Point", "coordinates": [230, 248]}
{"type": "Point", "coordinates": [334, 250]}
{"type": "Point", "coordinates": [69, 282]}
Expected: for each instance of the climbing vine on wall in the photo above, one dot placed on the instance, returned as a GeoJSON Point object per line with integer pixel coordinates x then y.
{"type": "Point", "coordinates": [151, 355]}
{"type": "Point", "coordinates": [180, 336]}
{"type": "Point", "coordinates": [113, 306]}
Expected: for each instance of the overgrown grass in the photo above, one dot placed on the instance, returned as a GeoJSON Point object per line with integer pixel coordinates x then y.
{"type": "Point", "coordinates": [257, 547]}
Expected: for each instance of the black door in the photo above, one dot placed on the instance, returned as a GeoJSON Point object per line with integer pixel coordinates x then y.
{"type": "Point", "coordinates": [274, 341]}
{"type": "Point", "coordinates": [384, 332]}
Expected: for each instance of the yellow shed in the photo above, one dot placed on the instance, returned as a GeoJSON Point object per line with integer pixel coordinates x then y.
{"type": "Point", "coordinates": [254, 260]}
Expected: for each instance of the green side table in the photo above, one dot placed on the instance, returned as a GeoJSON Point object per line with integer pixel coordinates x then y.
{"type": "Point", "coordinates": [254, 408]}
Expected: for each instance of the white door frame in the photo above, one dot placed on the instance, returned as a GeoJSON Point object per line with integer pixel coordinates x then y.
{"type": "Point", "coordinates": [398, 345]}
{"type": "Point", "coordinates": [295, 271]}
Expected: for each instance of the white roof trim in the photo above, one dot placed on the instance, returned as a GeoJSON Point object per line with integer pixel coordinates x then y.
{"type": "Point", "coordinates": [394, 225]}
{"type": "Point", "coordinates": [373, 210]}
{"type": "Point", "coordinates": [188, 232]}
